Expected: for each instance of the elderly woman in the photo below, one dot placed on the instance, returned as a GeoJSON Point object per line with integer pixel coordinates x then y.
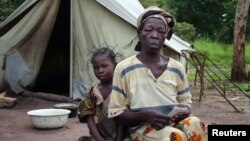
{"type": "Point", "coordinates": [150, 92]}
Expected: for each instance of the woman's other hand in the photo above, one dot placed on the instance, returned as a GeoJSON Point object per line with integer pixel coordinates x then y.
{"type": "Point", "coordinates": [157, 119]}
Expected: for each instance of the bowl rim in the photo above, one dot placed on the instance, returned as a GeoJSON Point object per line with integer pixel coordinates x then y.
{"type": "Point", "coordinates": [36, 112]}
{"type": "Point", "coordinates": [64, 105]}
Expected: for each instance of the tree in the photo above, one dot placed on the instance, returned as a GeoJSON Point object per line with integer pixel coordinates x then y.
{"type": "Point", "coordinates": [211, 18]}
{"type": "Point", "coordinates": [238, 72]}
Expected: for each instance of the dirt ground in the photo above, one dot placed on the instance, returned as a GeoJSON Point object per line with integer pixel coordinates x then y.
{"type": "Point", "coordinates": [15, 124]}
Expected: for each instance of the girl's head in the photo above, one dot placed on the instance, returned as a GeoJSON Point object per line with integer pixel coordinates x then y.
{"type": "Point", "coordinates": [104, 62]}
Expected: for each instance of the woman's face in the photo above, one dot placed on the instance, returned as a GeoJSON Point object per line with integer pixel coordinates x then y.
{"type": "Point", "coordinates": [153, 34]}
{"type": "Point", "coordinates": [103, 68]}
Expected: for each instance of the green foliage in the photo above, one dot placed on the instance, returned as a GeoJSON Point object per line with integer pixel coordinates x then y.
{"type": "Point", "coordinates": [147, 3]}
{"type": "Point", "coordinates": [225, 31]}
{"type": "Point", "coordinates": [213, 19]}
{"type": "Point", "coordinates": [185, 31]}
{"type": "Point", "coordinates": [248, 94]}
{"type": "Point", "coordinates": [163, 4]}
{"type": "Point", "coordinates": [7, 7]}
{"type": "Point", "coordinates": [221, 55]}
{"type": "Point", "coordinates": [217, 52]}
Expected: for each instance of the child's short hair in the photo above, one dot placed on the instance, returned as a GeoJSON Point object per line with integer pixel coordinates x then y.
{"type": "Point", "coordinates": [105, 51]}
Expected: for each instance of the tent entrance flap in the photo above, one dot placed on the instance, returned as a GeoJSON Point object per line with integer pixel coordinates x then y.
{"type": "Point", "coordinates": [54, 73]}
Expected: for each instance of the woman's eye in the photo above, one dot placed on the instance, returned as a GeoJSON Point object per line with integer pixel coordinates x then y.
{"type": "Point", "coordinates": [162, 32]}
{"type": "Point", "coordinates": [147, 29]}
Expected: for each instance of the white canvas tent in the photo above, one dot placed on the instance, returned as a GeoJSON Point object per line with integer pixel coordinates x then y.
{"type": "Point", "coordinates": [47, 43]}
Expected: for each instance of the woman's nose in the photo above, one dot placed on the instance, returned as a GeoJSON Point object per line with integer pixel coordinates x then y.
{"type": "Point", "coordinates": [154, 34]}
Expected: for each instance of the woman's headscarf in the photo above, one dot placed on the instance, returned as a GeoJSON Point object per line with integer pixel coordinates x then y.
{"type": "Point", "coordinates": [155, 12]}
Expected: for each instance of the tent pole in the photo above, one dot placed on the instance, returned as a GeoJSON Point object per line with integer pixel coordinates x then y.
{"type": "Point", "coordinates": [71, 51]}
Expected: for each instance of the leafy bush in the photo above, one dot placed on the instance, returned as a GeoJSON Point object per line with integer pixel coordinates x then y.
{"type": "Point", "coordinates": [185, 31]}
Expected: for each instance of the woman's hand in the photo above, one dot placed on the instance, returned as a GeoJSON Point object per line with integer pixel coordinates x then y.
{"type": "Point", "coordinates": [182, 115]}
{"type": "Point", "coordinates": [157, 119]}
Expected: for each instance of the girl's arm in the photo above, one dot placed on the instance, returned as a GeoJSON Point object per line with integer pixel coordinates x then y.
{"type": "Point", "coordinates": [93, 129]}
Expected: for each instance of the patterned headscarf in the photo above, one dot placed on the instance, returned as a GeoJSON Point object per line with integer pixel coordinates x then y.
{"type": "Point", "coordinates": [155, 12]}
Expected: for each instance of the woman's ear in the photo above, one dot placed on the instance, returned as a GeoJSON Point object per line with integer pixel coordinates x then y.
{"type": "Point", "coordinates": [139, 34]}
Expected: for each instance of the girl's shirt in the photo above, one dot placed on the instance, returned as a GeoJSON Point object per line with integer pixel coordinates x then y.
{"type": "Point", "coordinates": [93, 104]}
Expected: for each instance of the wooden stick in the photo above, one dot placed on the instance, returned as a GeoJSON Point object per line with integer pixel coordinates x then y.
{"type": "Point", "coordinates": [47, 96]}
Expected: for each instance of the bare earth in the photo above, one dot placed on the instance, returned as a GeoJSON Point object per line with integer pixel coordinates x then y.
{"type": "Point", "coordinates": [15, 124]}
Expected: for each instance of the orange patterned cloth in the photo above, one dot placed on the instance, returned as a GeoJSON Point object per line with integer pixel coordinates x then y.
{"type": "Point", "coordinates": [189, 129]}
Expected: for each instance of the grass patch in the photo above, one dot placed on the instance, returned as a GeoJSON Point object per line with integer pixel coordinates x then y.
{"type": "Point", "coordinates": [221, 55]}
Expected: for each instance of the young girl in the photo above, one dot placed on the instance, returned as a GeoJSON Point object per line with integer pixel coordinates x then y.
{"type": "Point", "coordinates": [95, 103]}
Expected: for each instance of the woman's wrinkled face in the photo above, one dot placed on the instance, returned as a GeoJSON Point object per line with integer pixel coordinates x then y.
{"type": "Point", "coordinates": [152, 34]}
{"type": "Point", "coordinates": [103, 67]}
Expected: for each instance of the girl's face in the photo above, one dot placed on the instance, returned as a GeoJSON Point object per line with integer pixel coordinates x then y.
{"type": "Point", "coordinates": [103, 68]}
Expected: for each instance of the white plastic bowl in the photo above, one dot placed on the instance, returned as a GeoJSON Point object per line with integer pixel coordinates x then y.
{"type": "Point", "coordinates": [49, 118]}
